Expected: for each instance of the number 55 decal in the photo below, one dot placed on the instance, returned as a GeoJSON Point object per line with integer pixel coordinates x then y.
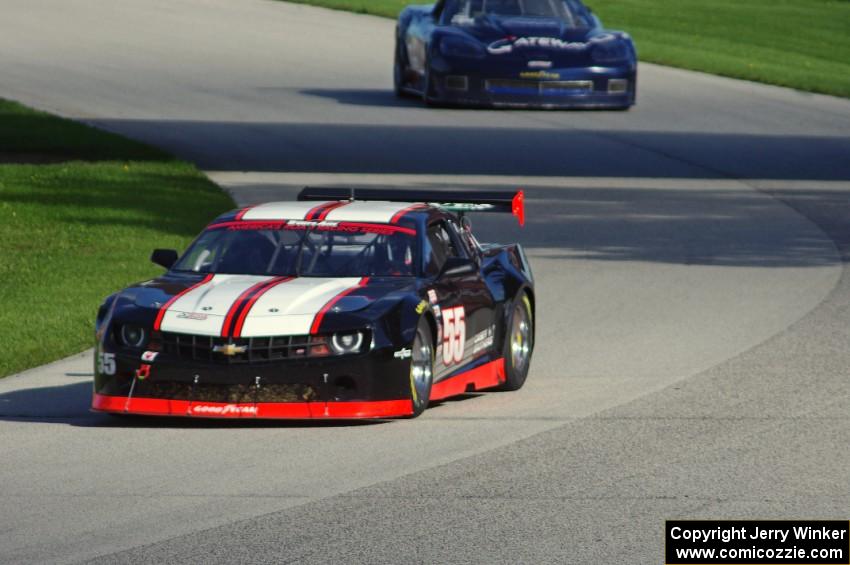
{"type": "Point", "coordinates": [454, 334]}
{"type": "Point", "coordinates": [106, 363]}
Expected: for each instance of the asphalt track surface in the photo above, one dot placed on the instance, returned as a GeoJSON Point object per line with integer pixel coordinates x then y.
{"type": "Point", "coordinates": [692, 356]}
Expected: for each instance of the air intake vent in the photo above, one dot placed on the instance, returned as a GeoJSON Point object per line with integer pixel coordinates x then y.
{"type": "Point", "coordinates": [457, 83]}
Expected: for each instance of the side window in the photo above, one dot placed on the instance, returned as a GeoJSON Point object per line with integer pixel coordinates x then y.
{"type": "Point", "coordinates": [467, 245]}
{"type": "Point", "coordinates": [439, 246]}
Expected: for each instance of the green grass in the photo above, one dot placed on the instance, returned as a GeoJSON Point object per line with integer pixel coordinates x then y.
{"type": "Point", "coordinates": [76, 230]}
{"type": "Point", "coordinates": [386, 8]}
{"type": "Point", "coordinates": [803, 44]}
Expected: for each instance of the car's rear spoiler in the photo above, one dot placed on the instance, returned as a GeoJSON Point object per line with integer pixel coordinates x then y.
{"type": "Point", "coordinates": [484, 201]}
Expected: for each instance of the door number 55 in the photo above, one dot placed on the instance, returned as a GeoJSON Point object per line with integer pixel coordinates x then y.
{"type": "Point", "coordinates": [454, 334]}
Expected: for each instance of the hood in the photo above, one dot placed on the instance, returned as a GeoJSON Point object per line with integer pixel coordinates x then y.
{"type": "Point", "coordinates": [253, 306]}
{"type": "Point", "coordinates": [534, 27]}
{"type": "Point", "coordinates": [491, 28]}
{"type": "Point", "coordinates": [539, 40]}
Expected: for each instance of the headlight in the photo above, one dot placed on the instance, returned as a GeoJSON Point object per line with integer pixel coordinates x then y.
{"type": "Point", "coordinates": [133, 336]}
{"type": "Point", "coordinates": [610, 51]}
{"type": "Point", "coordinates": [344, 343]}
{"type": "Point", "coordinates": [460, 47]}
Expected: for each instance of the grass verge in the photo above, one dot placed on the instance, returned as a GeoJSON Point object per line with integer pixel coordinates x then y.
{"type": "Point", "coordinates": [803, 45]}
{"type": "Point", "coordinates": [80, 212]}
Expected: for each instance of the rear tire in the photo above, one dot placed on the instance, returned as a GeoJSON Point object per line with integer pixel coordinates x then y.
{"type": "Point", "coordinates": [519, 343]}
{"type": "Point", "coordinates": [421, 367]}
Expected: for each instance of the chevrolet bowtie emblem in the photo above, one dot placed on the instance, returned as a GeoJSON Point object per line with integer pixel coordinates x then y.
{"type": "Point", "coordinates": [230, 349]}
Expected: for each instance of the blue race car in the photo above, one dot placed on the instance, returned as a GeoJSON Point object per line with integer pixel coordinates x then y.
{"type": "Point", "coordinates": [513, 53]}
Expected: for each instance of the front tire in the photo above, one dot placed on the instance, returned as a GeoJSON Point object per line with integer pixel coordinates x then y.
{"type": "Point", "coordinates": [519, 343]}
{"type": "Point", "coordinates": [398, 73]}
{"type": "Point", "coordinates": [427, 85]}
{"type": "Point", "coordinates": [421, 367]}
{"type": "Point", "coordinates": [397, 84]}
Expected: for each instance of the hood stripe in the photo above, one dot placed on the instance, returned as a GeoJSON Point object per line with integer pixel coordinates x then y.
{"type": "Point", "coordinates": [317, 321]}
{"type": "Point", "coordinates": [161, 314]}
{"type": "Point", "coordinates": [240, 322]}
{"type": "Point", "coordinates": [240, 302]}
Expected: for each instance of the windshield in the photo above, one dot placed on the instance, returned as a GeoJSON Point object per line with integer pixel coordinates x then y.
{"type": "Point", "coordinates": [460, 11]}
{"type": "Point", "coordinates": [303, 249]}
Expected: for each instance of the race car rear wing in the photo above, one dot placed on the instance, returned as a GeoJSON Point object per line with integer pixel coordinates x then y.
{"type": "Point", "coordinates": [485, 201]}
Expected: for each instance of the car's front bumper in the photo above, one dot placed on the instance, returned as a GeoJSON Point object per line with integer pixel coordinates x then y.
{"type": "Point", "coordinates": [255, 410]}
{"type": "Point", "coordinates": [585, 87]}
{"type": "Point", "coordinates": [370, 385]}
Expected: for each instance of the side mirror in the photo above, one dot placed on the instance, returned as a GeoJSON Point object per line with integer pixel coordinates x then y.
{"type": "Point", "coordinates": [164, 257]}
{"type": "Point", "coordinates": [456, 266]}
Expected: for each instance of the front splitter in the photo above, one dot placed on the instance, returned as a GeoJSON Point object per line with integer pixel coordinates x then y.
{"type": "Point", "coordinates": [259, 410]}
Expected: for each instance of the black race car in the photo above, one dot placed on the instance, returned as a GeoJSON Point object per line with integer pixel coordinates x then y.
{"type": "Point", "coordinates": [514, 53]}
{"type": "Point", "coordinates": [345, 304]}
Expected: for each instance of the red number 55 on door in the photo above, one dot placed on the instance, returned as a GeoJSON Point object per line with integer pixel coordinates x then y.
{"type": "Point", "coordinates": [454, 334]}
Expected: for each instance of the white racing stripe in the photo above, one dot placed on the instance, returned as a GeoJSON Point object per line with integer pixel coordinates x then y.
{"type": "Point", "coordinates": [280, 211]}
{"type": "Point", "coordinates": [203, 310]}
{"type": "Point", "coordinates": [376, 212]}
{"type": "Point", "coordinates": [289, 308]}
{"type": "Point", "coordinates": [373, 212]}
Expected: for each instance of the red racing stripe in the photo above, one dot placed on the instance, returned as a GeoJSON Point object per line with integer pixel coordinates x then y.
{"type": "Point", "coordinates": [344, 227]}
{"type": "Point", "coordinates": [161, 314]}
{"type": "Point", "coordinates": [321, 211]}
{"type": "Point", "coordinates": [380, 229]}
{"type": "Point", "coordinates": [316, 211]}
{"type": "Point", "coordinates": [402, 213]}
{"type": "Point", "coordinates": [317, 321]}
{"type": "Point", "coordinates": [249, 225]}
{"type": "Point", "coordinates": [238, 303]}
{"type": "Point", "coordinates": [244, 211]}
{"type": "Point", "coordinates": [331, 208]}
{"type": "Point", "coordinates": [240, 322]}
{"type": "Point", "coordinates": [273, 225]}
